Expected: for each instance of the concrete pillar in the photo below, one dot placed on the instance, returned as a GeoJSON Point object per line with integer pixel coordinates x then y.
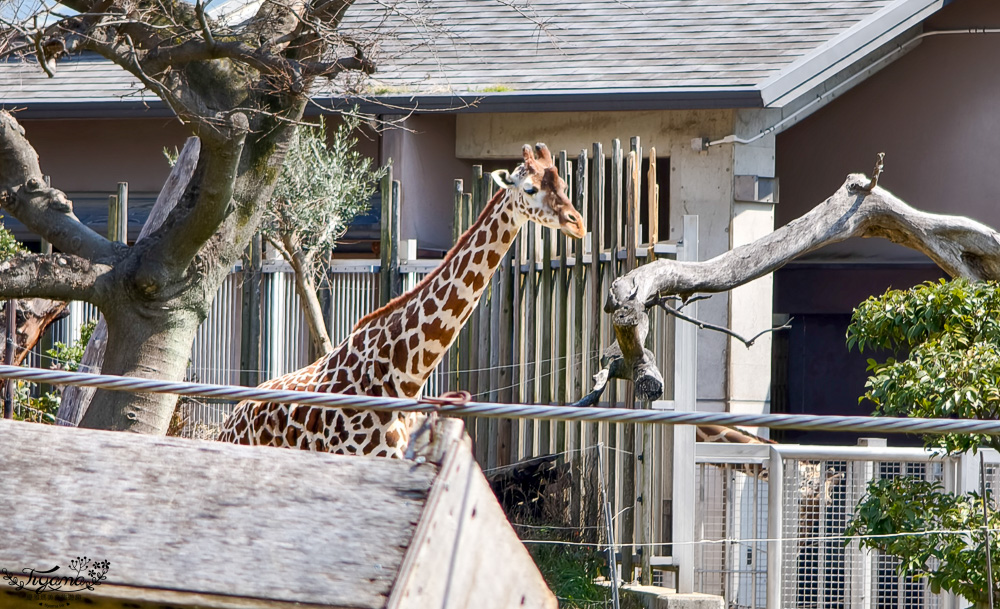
{"type": "Point", "coordinates": [729, 187]}
{"type": "Point", "coordinates": [750, 307]}
{"type": "Point", "coordinates": [701, 184]}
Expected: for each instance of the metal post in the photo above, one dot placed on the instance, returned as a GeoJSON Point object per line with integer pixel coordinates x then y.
{"type": "Point", "coordinates": [609, 523]}
{"type": "Point", "coordinates": [775, 480]}
{"type": "Point", "coordinates": [8, 397]}
{"type": "Point", "coordinates": [986, 526]}
{"type": "Point", "coordinates": [685, 399]}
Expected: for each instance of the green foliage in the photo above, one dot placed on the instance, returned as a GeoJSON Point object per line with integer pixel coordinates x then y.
{"type": "Point", "coordinates": [9, 246]}
{"type": "Point", "coordinates": [945, 337]}
{"type": "Point", "coordinates": [322, 188]}
{"type": "Point", "coordinates": [43, 409]}
{"type": "Point", "coordinates": [570, 572]}
{"type": "Point", "coordinates": [908, 512]}
{"type": "Point", "coordinates": [952, 369]}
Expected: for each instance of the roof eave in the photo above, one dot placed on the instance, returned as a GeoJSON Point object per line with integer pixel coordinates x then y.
{"type": "Point", "coordinates": [845, 50]}
{"type": "Point", "coordinates": [153, 108]}
{"type": "Point", "coordinates": [557, 101]}
{"type": "Point", "coordinates": [554, 101]}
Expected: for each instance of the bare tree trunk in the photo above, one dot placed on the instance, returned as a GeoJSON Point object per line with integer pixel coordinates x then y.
{"type": "Point", "coordinates": [960, 246]}
{"type": "Point", "coordinates": [75, 400]}
{"type": "Point", "coordinates": [313, 311]}
{"type": "Point", "coordinates": [145, 347]}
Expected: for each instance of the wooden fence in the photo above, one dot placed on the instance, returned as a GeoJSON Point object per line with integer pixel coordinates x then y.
{"type": "Point", "coordinates": [537, 336]}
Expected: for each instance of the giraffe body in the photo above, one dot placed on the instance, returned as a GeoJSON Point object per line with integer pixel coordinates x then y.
{"type": "Point", "coordinates": [393, 351]}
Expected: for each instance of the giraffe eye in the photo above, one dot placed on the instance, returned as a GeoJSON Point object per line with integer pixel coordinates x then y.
{"type": "Point", "coordinates": [530, 189]}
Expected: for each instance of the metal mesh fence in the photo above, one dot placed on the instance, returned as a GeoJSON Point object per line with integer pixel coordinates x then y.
{"type": "Point", "coordinates": [817, 570]}
{"type": "Point", "coordinates": [734, 498]}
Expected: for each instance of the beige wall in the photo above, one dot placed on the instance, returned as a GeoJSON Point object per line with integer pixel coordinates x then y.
{"type": "Point", "coordinates": [935, 114]}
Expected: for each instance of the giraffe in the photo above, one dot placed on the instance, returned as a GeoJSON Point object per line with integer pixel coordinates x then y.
{"type": "Point", "coordinates": [392, 351]}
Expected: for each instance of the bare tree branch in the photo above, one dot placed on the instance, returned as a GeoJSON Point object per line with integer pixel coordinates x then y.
{"type": "Point", "coordinates": [960, 246]}
{"type": "Point", "coordinates": [704, 325]}
{"type": "Point", "coordinates": [54, 276]}
{"type": "Point", "coordinates": [860, 208]}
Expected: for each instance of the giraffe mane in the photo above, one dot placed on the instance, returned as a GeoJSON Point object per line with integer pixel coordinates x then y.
{"type": "Point", "coordinates": [398, 301]}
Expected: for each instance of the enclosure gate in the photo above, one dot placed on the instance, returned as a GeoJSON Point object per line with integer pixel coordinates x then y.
{"type": "Point", "coordinates": [771, 521]}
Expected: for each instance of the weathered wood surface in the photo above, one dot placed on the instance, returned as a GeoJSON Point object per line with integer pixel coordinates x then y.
{"type": "Point", "coordinates": [464, 552]}
{"type": "Point", "coordinates": [182, 521]}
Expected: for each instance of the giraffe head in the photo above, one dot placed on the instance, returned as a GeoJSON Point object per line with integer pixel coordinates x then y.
{"type": "Point", "coordinates": [539, 194]}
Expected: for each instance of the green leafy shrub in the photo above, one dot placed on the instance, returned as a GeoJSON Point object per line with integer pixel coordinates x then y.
{"type": "Point", "coordinates": [949, 333]}
{"type": "Point", "coordinates": [43, 408]}
{"type": "Point", "coordinates": [942, 347]}
{"type": "Point", "coordinates": [906, 517]}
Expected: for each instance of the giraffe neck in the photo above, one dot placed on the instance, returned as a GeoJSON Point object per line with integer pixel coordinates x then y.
{"type": "Point", "coordinates": [423, 323]}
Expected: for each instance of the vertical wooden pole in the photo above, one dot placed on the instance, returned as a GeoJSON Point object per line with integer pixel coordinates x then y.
{"type": "Point", "coordinates": [653, 203]}
{"type": "Point", "coordinates": [389, 239]}
{"type": "Point", "coordinates": [465, 336]}
{"type": "Point", "coordinates": [122, 228]}
{"type": "Point", "coordinates": [629, 516]}
{"type": "Point", "coordinates": [8, 358]}
{"type": "Point", "coordinates": [597, 167]}
{"type": "Point", "coordinates": [504, 348]}
{"type": "Point", "coordinates": [250, 326]}
{"type": "Point", "coordinates": [613, 270]}
{"type": "Point", "coordinates": [517, 330]}
{"type": "Point", "coordinates": [579, 361]}
{"type": "Point", "coordinates": [530, 336]}
{"type": "Point", "coordinates": [456, 232]}
{"type": "Point", "coordinates": [487, 428]}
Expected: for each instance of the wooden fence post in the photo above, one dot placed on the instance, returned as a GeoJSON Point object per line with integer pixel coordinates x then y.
{"type": "Point", "coordinates": [632, 506]}
{"type": "Point", "coordinates": [454, 360]}
{"type": "Point", "coordinates": [8, 358]}
{"type": "Point", "coordinates": [592, 509]}
{"type": "Point", "coordinates": [390, 283]}
{"type": "Point", "coordinates": [250, 313]}
{"type": "Point", "coordinates": [580, 358]}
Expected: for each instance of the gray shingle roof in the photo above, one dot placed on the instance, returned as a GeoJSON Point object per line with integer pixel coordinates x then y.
{"type": "Point", "coordinates": [507, 48]}
{"type": "Point", "coordinates": [469, 45]}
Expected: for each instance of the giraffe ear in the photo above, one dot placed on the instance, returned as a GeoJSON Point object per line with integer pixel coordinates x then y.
{"type": "Point", "coordinates": [502, 178]}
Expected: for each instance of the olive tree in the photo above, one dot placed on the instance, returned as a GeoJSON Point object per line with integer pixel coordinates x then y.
{"type": "Point", "coordinates": [323, 186]}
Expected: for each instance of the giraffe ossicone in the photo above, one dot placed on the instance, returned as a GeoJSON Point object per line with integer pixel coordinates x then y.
{"type": "Point", "coordinates": [393, 351]}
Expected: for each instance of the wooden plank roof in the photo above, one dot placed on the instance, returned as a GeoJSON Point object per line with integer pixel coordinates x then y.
{"type": "Point", "coordinates": [693, 48]}
{"type": "Point", "coordinates": [279, 526]}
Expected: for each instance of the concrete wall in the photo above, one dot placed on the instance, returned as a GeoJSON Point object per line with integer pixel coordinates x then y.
{"type": "Point", "coordinates": [94, 155]}
{"type": "Point", "coordinates": [934, 113]}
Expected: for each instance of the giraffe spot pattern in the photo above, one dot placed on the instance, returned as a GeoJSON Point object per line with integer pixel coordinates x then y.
{"type": "Point", "coordinates": [391, 353]}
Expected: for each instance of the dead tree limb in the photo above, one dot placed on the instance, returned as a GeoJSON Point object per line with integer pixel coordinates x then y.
{"type": "Point", "coordinates": [859, 208]}
{"type": "Point", "coordinates": [704, 325]}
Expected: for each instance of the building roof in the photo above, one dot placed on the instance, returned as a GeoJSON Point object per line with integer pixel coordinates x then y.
{"type": "Point", "coordinates": [619, 54]}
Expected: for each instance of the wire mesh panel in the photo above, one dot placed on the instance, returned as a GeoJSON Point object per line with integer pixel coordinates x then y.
{"type": "Point", "coordinates": [819, 570]}
{"type": "Point", "coordinates": [731, 553]}
{"type": "Point", "coordinates": [891, 589]}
